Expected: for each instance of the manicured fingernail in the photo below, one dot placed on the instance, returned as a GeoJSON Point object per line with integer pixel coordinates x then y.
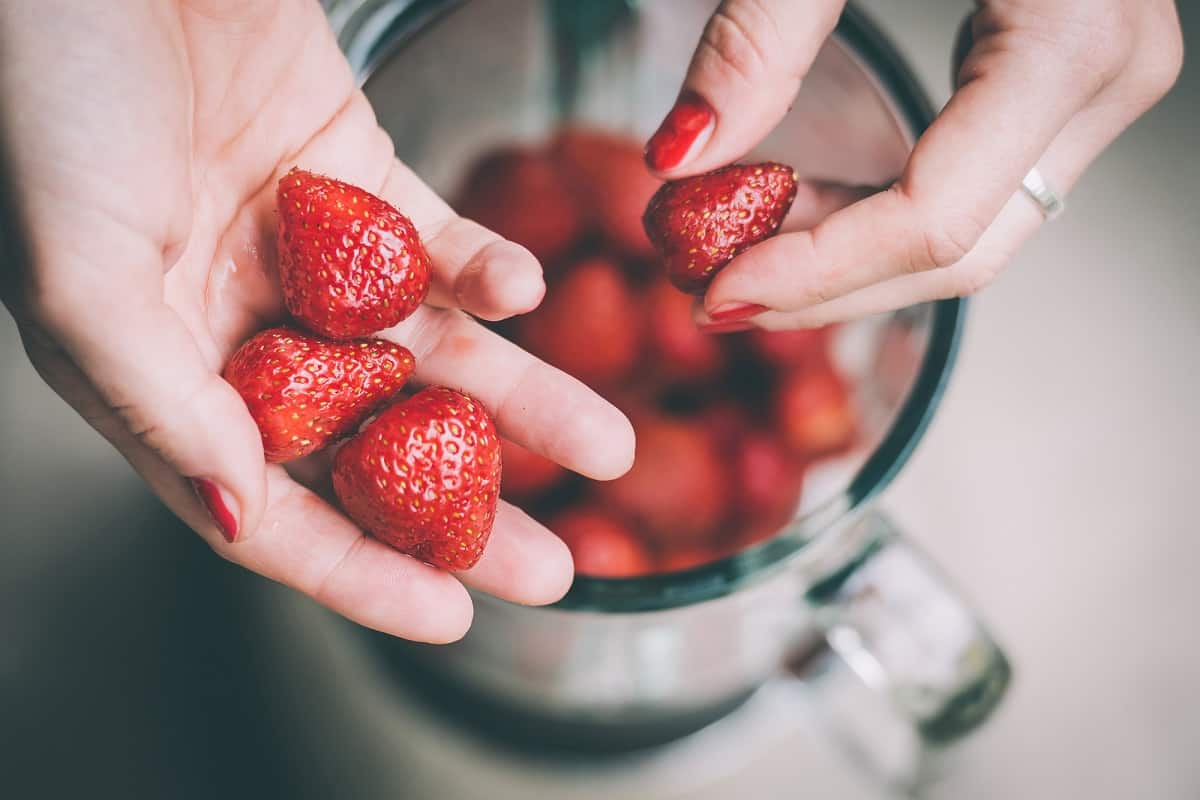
{"type": "Point", "coordinates": [725, 327]}
{"type": "Point", "coordinates": [683, 132]}
{"type": "Point", "coordinates": [731, 312]}
{"type": "Point", "coordinates": [221, 506]}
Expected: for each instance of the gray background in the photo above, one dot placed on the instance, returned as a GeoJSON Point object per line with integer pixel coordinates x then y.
{"type": "Point", "coordinates": [1056, 485]}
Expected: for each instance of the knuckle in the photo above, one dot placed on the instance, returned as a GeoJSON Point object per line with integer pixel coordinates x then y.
{"type": "Point", "coordinates": [326, 588]}
{"type": "Point", "coordinates": [972, 279]}
{"type": "Point", "coordinates": [728, 37]}
{"type": "Point", "coordinates": [943, 243]}
{"type": "Point", "coordinates": [1160, 65]}
{"type": "Point", "coordinates": [1105, 49]}
{"type": "Point", "coordinates": [1092, 48]}
{"type": "Point", "coordinates": [142, 424]}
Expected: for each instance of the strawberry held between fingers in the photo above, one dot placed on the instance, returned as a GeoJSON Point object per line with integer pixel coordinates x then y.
{"type": "Point", "coordinates": [424, 477]}
{"type": "Point", "coordinates": [349, 263]}
{"type": "Point", "coordinates": [304, 392]}
{"type": "Point", "coordinates": [700, 224]}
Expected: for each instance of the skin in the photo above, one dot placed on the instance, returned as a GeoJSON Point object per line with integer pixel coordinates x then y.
{"type": "Point", "coordinates": [144, 143]}
{"type": "Point", "coordinates": [1049, 83]}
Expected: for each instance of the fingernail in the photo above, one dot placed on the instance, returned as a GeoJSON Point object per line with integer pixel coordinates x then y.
{"type": "Point", "coordinates": [731, 312]}
{"type": "Point", "coordinates": [725, 327]}
{"type": "Point", "coordinates": [685, 129]}
{"type": "Point", "coordinates": [221, 506]}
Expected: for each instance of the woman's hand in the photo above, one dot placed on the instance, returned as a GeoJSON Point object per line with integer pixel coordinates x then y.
{"type": "Point", "coordinates": [1045, 83]}
{"type": "Point", "coordinates": [145, 139]}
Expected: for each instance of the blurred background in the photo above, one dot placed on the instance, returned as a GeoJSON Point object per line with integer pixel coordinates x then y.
{"type": "Point", "coordinates": [1053, 486]}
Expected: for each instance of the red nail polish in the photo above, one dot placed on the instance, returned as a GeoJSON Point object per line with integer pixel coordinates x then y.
{"type": "Point", "coordinates": [732, 312]}
{"type": "Point", "coordinates": [218, 509]}
{"type": "Point", "coordinates": [725, 327]}
{"type": "Point", "coordinates": [690, 118]}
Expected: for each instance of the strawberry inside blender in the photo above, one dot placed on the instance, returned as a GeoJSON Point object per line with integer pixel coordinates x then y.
{"type": "Point", "coordinates": [728, 425]}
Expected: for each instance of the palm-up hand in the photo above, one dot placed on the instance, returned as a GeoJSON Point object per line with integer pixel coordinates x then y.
{"type": "Point", "coordinates": [145, 139]}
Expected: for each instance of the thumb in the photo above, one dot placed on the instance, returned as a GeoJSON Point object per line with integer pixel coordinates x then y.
{"type": "Point", "coordinates": [144, 384]}
{"type": "Point", "coordinates": [742, 79]}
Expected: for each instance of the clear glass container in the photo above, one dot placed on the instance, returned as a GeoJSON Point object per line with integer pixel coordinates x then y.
{"type": "Point", "coordinates": [621, 663]}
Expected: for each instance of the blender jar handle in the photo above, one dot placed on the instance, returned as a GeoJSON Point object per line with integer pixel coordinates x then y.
{"type": "Point", "coordinates": [898, 625]}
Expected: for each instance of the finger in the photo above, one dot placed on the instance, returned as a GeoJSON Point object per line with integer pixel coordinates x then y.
{"type": "Point", "coordinates": [475, 270]}
{"type": "Point", "coordinates": [815, 200]}
{"type": "Point", "coordinates": [309, 546]}
{"type": "Point", "coordinates": [523, 562]}
{"type": "Point", "coordinates": [304, 543]}
{"type": "Point", "coordinates": [742, 79]}
{"type": "Point", "coordinates": [146, 376]}
{"type": "Point", "coordinates": [1015, 224]}
{"type": "Point", "coordinates": [537, 406]}
{"type": "Point", "coordinates": [961, 173]}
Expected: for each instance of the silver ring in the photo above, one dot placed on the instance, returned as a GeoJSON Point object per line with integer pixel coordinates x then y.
{"type": "Point", "coordinates": [1041, 192]}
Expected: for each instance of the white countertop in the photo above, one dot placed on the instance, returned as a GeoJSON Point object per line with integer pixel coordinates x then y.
{"type": "Point", "coordinates": [1055, 483]}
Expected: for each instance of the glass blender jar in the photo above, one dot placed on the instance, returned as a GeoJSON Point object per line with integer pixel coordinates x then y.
{"type": "Point", "coordinates": [632, 662]}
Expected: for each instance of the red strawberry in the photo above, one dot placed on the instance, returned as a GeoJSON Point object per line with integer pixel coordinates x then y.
{"type": "Point", "coordinates": [520, 195]}
{"type": "Point", "coordinates": [588, 325]}
{"type": "Point", "coordinates": [304, 392]}
{"type": "Point", "coordinates": [601, 545]}
{"type": "Point", "coordinates": [526, 473]}
{"type": "Point", "coordinates": [424, 477]}
{"type": "Point", "coordinates": [349, 263]}
{"type": "Point", "coordinates": [813, 412]}
{"type": "Point", "coordinates": [611, 176]}
{"type": "Point", "coordinates": [767, 479]}
{"type": "Point", "coordinates": [677, 489]}
{"type": "Point", "coordinates": [679, 348]}
{"type": "Point", "coordinates": [700, 223]}
{"type": "Point", "coordinates": [791, 348]}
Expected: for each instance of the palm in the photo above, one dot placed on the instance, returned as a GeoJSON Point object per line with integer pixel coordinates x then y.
{"type": "Point", "coordinates": [179, 218]}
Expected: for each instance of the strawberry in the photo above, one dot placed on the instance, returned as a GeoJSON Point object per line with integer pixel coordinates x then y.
{"type": "Point", "coordinates": [424, 477]}
{"type": "Point", "coordinates": [677, 489]}
{"type": "Point", "coordinates": [726, 422]}
{"type": "Point", "coordinates": [304, 392]}
{"type": "Point", "coordinates": [611, 178]}
{"type": "Point", "coordinates": [601, 545]}
{"type": "Point", "coordinates": [679, 348]}
{"type": "Point", "coordinates": [588, 325]}
{"type": "Point", "coordinates": [349, 263]}
{"type": "Point", "coordinates": [526, 474]}
{"type": "Point", "coordinates": [699, 224]}
{"type": "Point", "coordinates": [791, 348]}
{"type": "Point", "coordinates": [520, 195]}
{"type": "Point", "coordinates": [813, 412]}
{"type": "Point", "coordinates": [766, 479]}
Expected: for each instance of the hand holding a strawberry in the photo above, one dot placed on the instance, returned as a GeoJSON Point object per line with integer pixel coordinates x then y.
{"type": "Point", "coordinates": [145, 170]}
{"type": "Point", "coordinates": [1045, 84]}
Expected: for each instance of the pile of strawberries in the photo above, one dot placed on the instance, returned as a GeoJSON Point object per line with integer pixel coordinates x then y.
{"type": "Point", "coordinates": [726, 425]}
{"type": "Point", "coordinates": [424, 474]}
